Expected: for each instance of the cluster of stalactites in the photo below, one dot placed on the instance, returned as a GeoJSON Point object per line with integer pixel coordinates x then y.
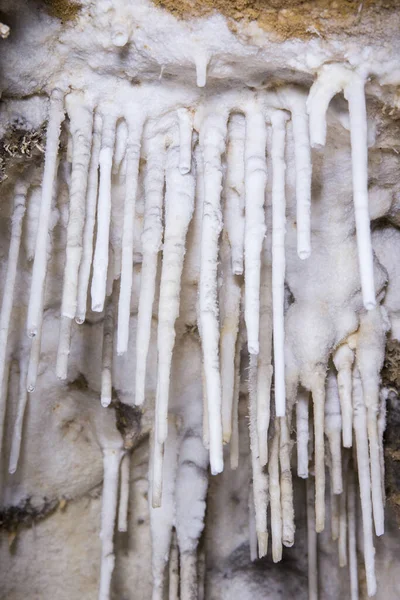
{"type": "Point", "coordinates": [189, 168]}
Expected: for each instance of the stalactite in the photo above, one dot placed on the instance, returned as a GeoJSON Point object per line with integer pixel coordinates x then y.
{"type": "Point", "coordinates": [121, 141]}
{"type": "Point", "coordinates": [124, 493]}
{"type": "Point", "coordinates": [333, 430]}
{"type": "Point", "coordinates": [179, 205]}
{"type": "Point", "coordinates": [111, 462]}
{"type": "Point", "coordinates": [343, 359]}
{"type": "Point", "coordinates": [302, 421]}
{"type": "Point", "coordinates": [108, 351]}
{"type": "Point", "coordinates": [360, 430]}
{"type": "Point", "coordinates": [328, 83]}
{"type": "Point", "coordinates": [260, 479]}
{"type": "Point", "coordinates": [288, 527]}
{"type": "Point", "coordinates": [278, 120]}
{"type": "Point", "coordinates": [56, 117]}
{"type": "Point", "coordinates": [234, 191]}
{"type": "Point", "coordinates": [34, 359]}
{"type": "Point", "coordinates": [131, 181]}
{"type": "Point", "coordinates": [201, 62]}
{"type": "Point", "coordinates": [312, 543]}
{"type": "Point", "coordinates": [231, 251]}
{"type": "Point", "coordinates": [81, 123]}
{"type": "Point", "coordinates": [353, 565]}
{"type": "Point", "coordinates": [151, 244]}
{"type": "Point", "coordinates": [295, 101]}
{"type": "Point", "coordinates": [190, 508]}
{"type": "Point", "coordinates": [342, 545]}
{"type": "Point", "coordinates": [275, 496]}
{"type": "Point", "coordinates": [100, 260]}
{"type": "Point", "coordinates": [253, 543]}
{"type": "Point", "coordinates": [212, 139]}
{"type": "Point", "coordinates": [355, 94]}
{"type": "Point", "coordinates": [230, 309]}
{"type": "Point", "coordinates": [332, 79]}
{"type": "Point", "coordinates": [21, 190]}
{"type": "Point", "coordinates": [64, 347]}
{"type": "Point", "coordinates": [369, 357]}
{"type": "Point", "coordinates": [255, 182]}
{"type": "Point", "coordinates": [264, 366]}
{"type": "Point", "coordinates": [185, 140]}
{"type": "Point", "coordinates": [318, 395]}
{"type": "Point", "coordinates": [234, 444]}
{"type": "Point", "coordinates": [88, 231]}
{"type": "Point", "coordinates": [19, 420]}
{"type": "Point", "coordinates": [335, 515]}
{"type": "Point", "coordinates": [162, 518]}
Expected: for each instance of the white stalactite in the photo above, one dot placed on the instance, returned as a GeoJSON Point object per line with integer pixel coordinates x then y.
{"type": "Point", "coordinates": [190, 494]}
{"type": "Point", "coordinates": [355, 94]}
{"type": "Point", "coordinates": [151, 245]}
{"type": "Point", "coordinates": [64, 347]}
{"type": "Point", "coordinates": [162, 517]}
{"type": "Point", "coordinates": [121, 140]}
{"type": "Point", "coordinates": [255, 228]}
{"type": "Point", "coordinates": [234, 220]}
{"type": "Point", "coordinates": [230, 312]}
{"type": "Point", "coordinates": [88, 231]}
{"type": "Point", "coordinates": [302, 426]}
{"type": "Point", "coordinates": [295, 101]}
{"type": "Point", "coordinates": [360, 430]}
{"type": "Point", "coordinates": [111, 463]}
{"type": "Point", "coordinates": [278, 120]}
{"type": "Point", "coordinates": [124, 493]}
{"type": "Point", "coordinates": [371, 341]}
{"type": "Point", "coordinates": [343, 359]}
{"type": "Point", "coordinates": [100, 261]}
{"type": "Point", "coordinates": [131, 182]}
{"type": "Point", "coordinates": [179, 205]}
{"type": "Point", "coordinates": [185, 140]}
{"type": "Point", "coordinates": [260, 478]}
{"type": "Point", "coordinates": [81, 124]}
{"type": "Point", "coordinates": [212, 140]}
{"type": "Point", "coordinates": [264, 366]}
{"type": "Point", "coordinates": [201, 62]}
{"type": "Point", "coordinates": [19, 421]}
{"type": "Point", "coordinates": [333, 430]}
{"type": "Point", "coordinates": [275, 496]}
{"type": "Point", "coordinates": [6, 383]}
{"type": "Point", "coordinates": [352, 521]}
{"type": "Point", "coordinates": [56, 117]}
{"type": "Point", "coordinates": [342, 543]}
{"type": "Point", "coordinates": [253, 543]}
{"type": "Point", "coordinates": [234, 444]}
{"type": "Point", "coordinates": [329, 82]}
{"type": "Point", "coordinates": [335, 515]}
{"type": "Point", "coordinates": [108, 351]}
{"type": "Point", "coordinates": [20, 192]}
{"type": "Point", "coordinates": [231, 254]}
{"type": "Point", "coordinates": [285, 447]}
{"type": "Point", "coordinates": [312, 543]}
{"type": "Point", "coordinates": [34, 359]}
{"type": "Point", "coordinates": [318, 395]}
